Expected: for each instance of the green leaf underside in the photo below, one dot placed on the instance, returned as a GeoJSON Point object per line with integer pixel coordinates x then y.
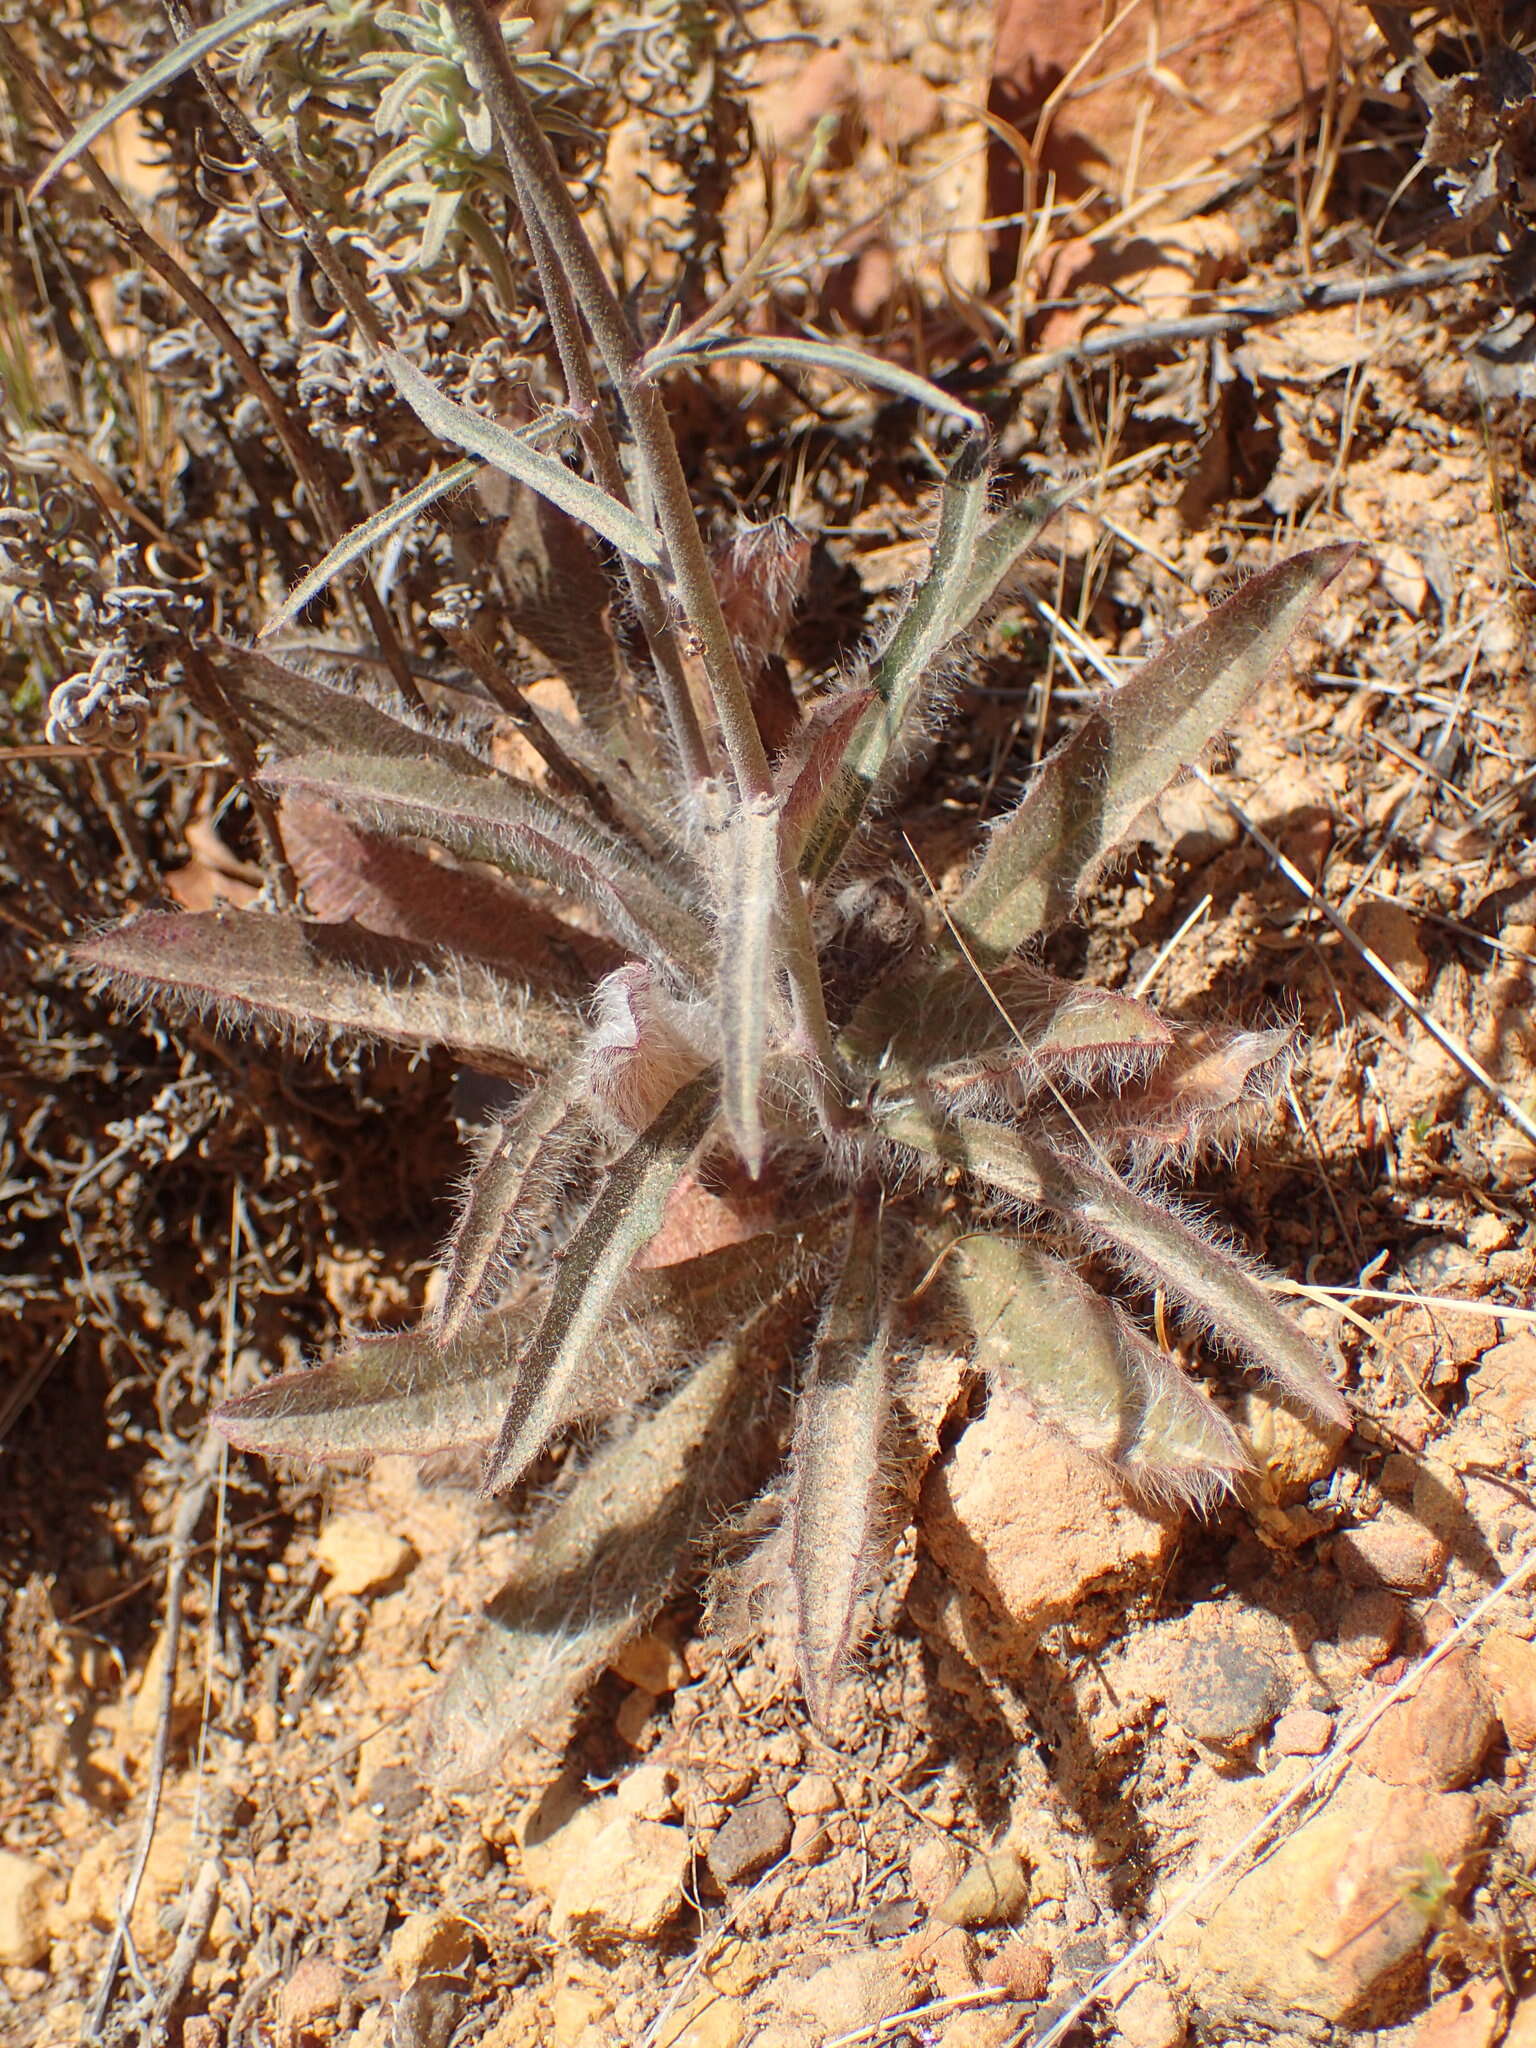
{"type": "Point", "coordinates": [1090, 792]}
{"type": "Point", "coordinates": [508, 825]}
{"type": "Point", "coordinates": [413, 1392]}
{"type": "Point", "coordinates": [1157, 1245]}
{"type": "Point", "coordinates": [526, 1163]}
{"type": "Point", "coordinates": [747, 981]}
{"type": "Point", "coordinates": [851, 363]}
{"type": "Point", "coordinates": [600, 1565]}
{"type": "Point", "coordinates": [924, 630]}
{"type": "Point", "coordinates": [301, 978]}
{"type": "Point", "coordinates": [834, 1492]}
{"type": "Point", "coordinates": [625, 1217]}
{"type": "Point", "coordinates": [392, 887]}
{"type": "Point", "coordinates": [476, 435]}
{"type": "Point", "coordinates": [368, 535]}
{"type": "Point", "coordinates": [946, 1026]}
{"type": "Point", "coordinates": [155, 78]}
{"type": "Point", "coordinates": [1043, 1333]}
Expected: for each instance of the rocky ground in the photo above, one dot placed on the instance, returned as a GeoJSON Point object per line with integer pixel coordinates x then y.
{"type": "Point", "coordinates": [1277, 1756]}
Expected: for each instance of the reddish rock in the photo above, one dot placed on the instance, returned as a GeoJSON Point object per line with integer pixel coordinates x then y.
{"type": "Point", "coordinates": [1470, 2017]}
{"type": "Point", "coordinates": [1302, 1732]}
{"type": "Point", "coordinates": [1439, 1736]}
{"type": "Point", "coordinates": [1329, 1925]}
{"type": "Point", "coordinates": [1022, 1969]}
{"type": "Point", "coordinates": [1032, 1526]}
{"type": "Point", "coordinates": [1394, 1550]}
{"type": "Point", "coordinates": [1506, 1665]}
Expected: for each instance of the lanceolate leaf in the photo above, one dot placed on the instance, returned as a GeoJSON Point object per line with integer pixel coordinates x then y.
{"type": "Point", "coordinates": [296, 713]}
{"type": "Point", "coordinates": [1196, 1100]}
{"type": "Point", "coordinates": [504, 450]}
{"type": "Point", "coordinates": [813, 768]}
{"type": "Point", "coordinates": [1158, 1245]}
{"type": "Point", "coordinates": [625, 1216]}
{"type": "Point", "coordinates": [747, 981]}
{"type": "Point", "coordinates": [926, 628]}
{"type": "Point", "coordinates": [555, 594]}
{"type": "Point", "coordinates": [368, 535]}
{"type": "Point", "coordinates": [305, 979]}
{"type": "Point", "coordinates": [393, 887]}
{"type": "Point", "coordinates": [156, 77]}
{"type": "Point", "coordinates": [1091, 790]}
{"type": "Point", "coordinates": [600, 1565]}
{"type": "Point", "coordinates": [1043, 1333]}
{"type": "Point", "coordinates": [401, 1393]}
{"type": "Point", "coordinates": [834, 1504]}
{"type": "Point", "coordinates": [526, 1160]}
{"type": "Point", "coordinates": [504, 822]}
{"type": "Point", "coordinates": [852, 363]}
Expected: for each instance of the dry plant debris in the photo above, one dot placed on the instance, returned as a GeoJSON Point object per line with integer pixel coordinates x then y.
{"type": "Point", "coordinates": [1073, 1704]}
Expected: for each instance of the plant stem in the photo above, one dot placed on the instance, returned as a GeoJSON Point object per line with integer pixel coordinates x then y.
{"type": "Point", "coordinates": [533, 165]}
{"type": "Point", "coordinates": [607, 471]}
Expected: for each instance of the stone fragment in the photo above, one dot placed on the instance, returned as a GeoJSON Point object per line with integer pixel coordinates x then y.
{"type": "Point", "coordinates": [710, 2021]}
{"type": "Point", "coordinates": [1147, 2017]}
{"type": "Point", "coordinates": [429, 1945]}
{"type": "Point", "coordinates": [1329, 1924]}
{"type": "Point", "coordinates": [1507, 1666]}
{"type": "Point", "coordinates": [1032, 1527]}
{"type": "Point", "coordinates": [647, 1793]}
{"type": "Point", "coordinates": [652, 1663]}
{"type": "Point", "coordinates": [1302, 1732]}
{"type": "Point", "coordinates": [935, 1867]}
{"type": "Point", "coordinates": [1224, 1692]}
{"type": "Point", "coordinates": [1504, 1384]}
{"type": "Point", "coordinates": [362, 1554]}
{"type": "Point", "coordinates": [809, 1839]}
{"type": "Point", "coordinates": [859, 1989]}
{"type": "Point", "coordinates": [991, 1891]}
{"type": "Point", "coordinates": [814, 1793]}
{"type": "Point", "coordinates": [945, 1956]}
{"type": "Point", "coordinates": [1470, 2017]}
{"type": "Point", "coordinates": [1370, 1623]}
{"type": "Point", "coordinates": [555, 1834]}
{"type": "Point", "coordinates": [1394, 1550]}
{"type": "Point", "coordinates": [1292, 1449]}
{"type": "Point", "coordinates": [312, 1995]}
{"type": "Point", "coordinates": [1522, 2025]}
{"type": "Point", "coordinates": [186, 1692]}
{"type": "Point", "coordinates": [1438, 1736]}
{"type": "Point", "coordinates": [201, 2030]}
{"type": "Point", "coordinates": [27, 1895]}
{"type": "Point", "coordinates": [756, 1835]}
{"type": "Point", "coordinates": [628, 1885]}
{"type": "Point", "coordinates": [1022, 1969]}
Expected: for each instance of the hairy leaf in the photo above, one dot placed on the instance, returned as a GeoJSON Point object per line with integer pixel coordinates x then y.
{"type": "Point", "coordinates": [747, 979]}
{"type": "Point", "coordinates": [305, 979]}
{"type": "Point", "coordinates": [638, 1052]}
{"type": "Point", "coordinates": [296, 713]}
{"type": "Point", "coordinates": [392, 887]}
{"type": "Point", "coordinates": [506, 451]}
{"type": "Point", "coordinates": [852, 363]}
{"type": "Point", "coordinates": [155, 78]}
{"type": "Point", "coordinates": [526, 1160]}
{"type": "Point", "coordinates": [922, 633]}
{"type": "Point", "coordinates": [626, 1215]}
{"type": "Point", "coordinates": [834, 1503]}
{"type": "Point", "coordinates": [1198, 1099]}
{"type": "Point", "coordinates": [1013, 1030]}
{"type": "Point", "coordinates": [556, 595]}
{"type": "Point", "coordinates": [1160, 1247]}
{"type": "Point", "coordinates": [1092, 789]}
{"type": "Point", "coordinates": [506, 823]}
{"type": "Point", "coordinates": [814, 766]}
{"type": "Point", "coordinates": [1041, 1332]}
{"type": "Point", "coordinates": [389, 519]}
{"type": "Point", "coordinates": [598, 1567]}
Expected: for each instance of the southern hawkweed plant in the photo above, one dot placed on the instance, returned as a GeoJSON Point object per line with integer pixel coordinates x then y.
{"type": "Point", "coordinates": [764, 1101]}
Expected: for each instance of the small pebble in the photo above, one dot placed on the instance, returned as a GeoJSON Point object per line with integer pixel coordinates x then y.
{"type": "Point", "coordinates": [1302, 1732]}
{"type": "Point", "coordinates": [429, 1945]}
{"type": "Point", "coordinates": [756, 1835]}
{"type": "Point", "coordinates": [814, 1793]}
{"type": "Point", "coordinates": [1224, 1693]}
{"type": "Point", "coordinates": [27, 1892]}
{"type": "Point", "coordinates": [1507, 1667]}
{"type": "Point", "coordinates": [990, 1892]}
{"type": "Point", "coordinates": [1022, 1969]}
{"type": "Point", "coordinates": [810, 1839]}
{"type": "Point", "coordinates": [1148, 2018]}
{"type": "Point", "coordinates": [362, 1555]}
